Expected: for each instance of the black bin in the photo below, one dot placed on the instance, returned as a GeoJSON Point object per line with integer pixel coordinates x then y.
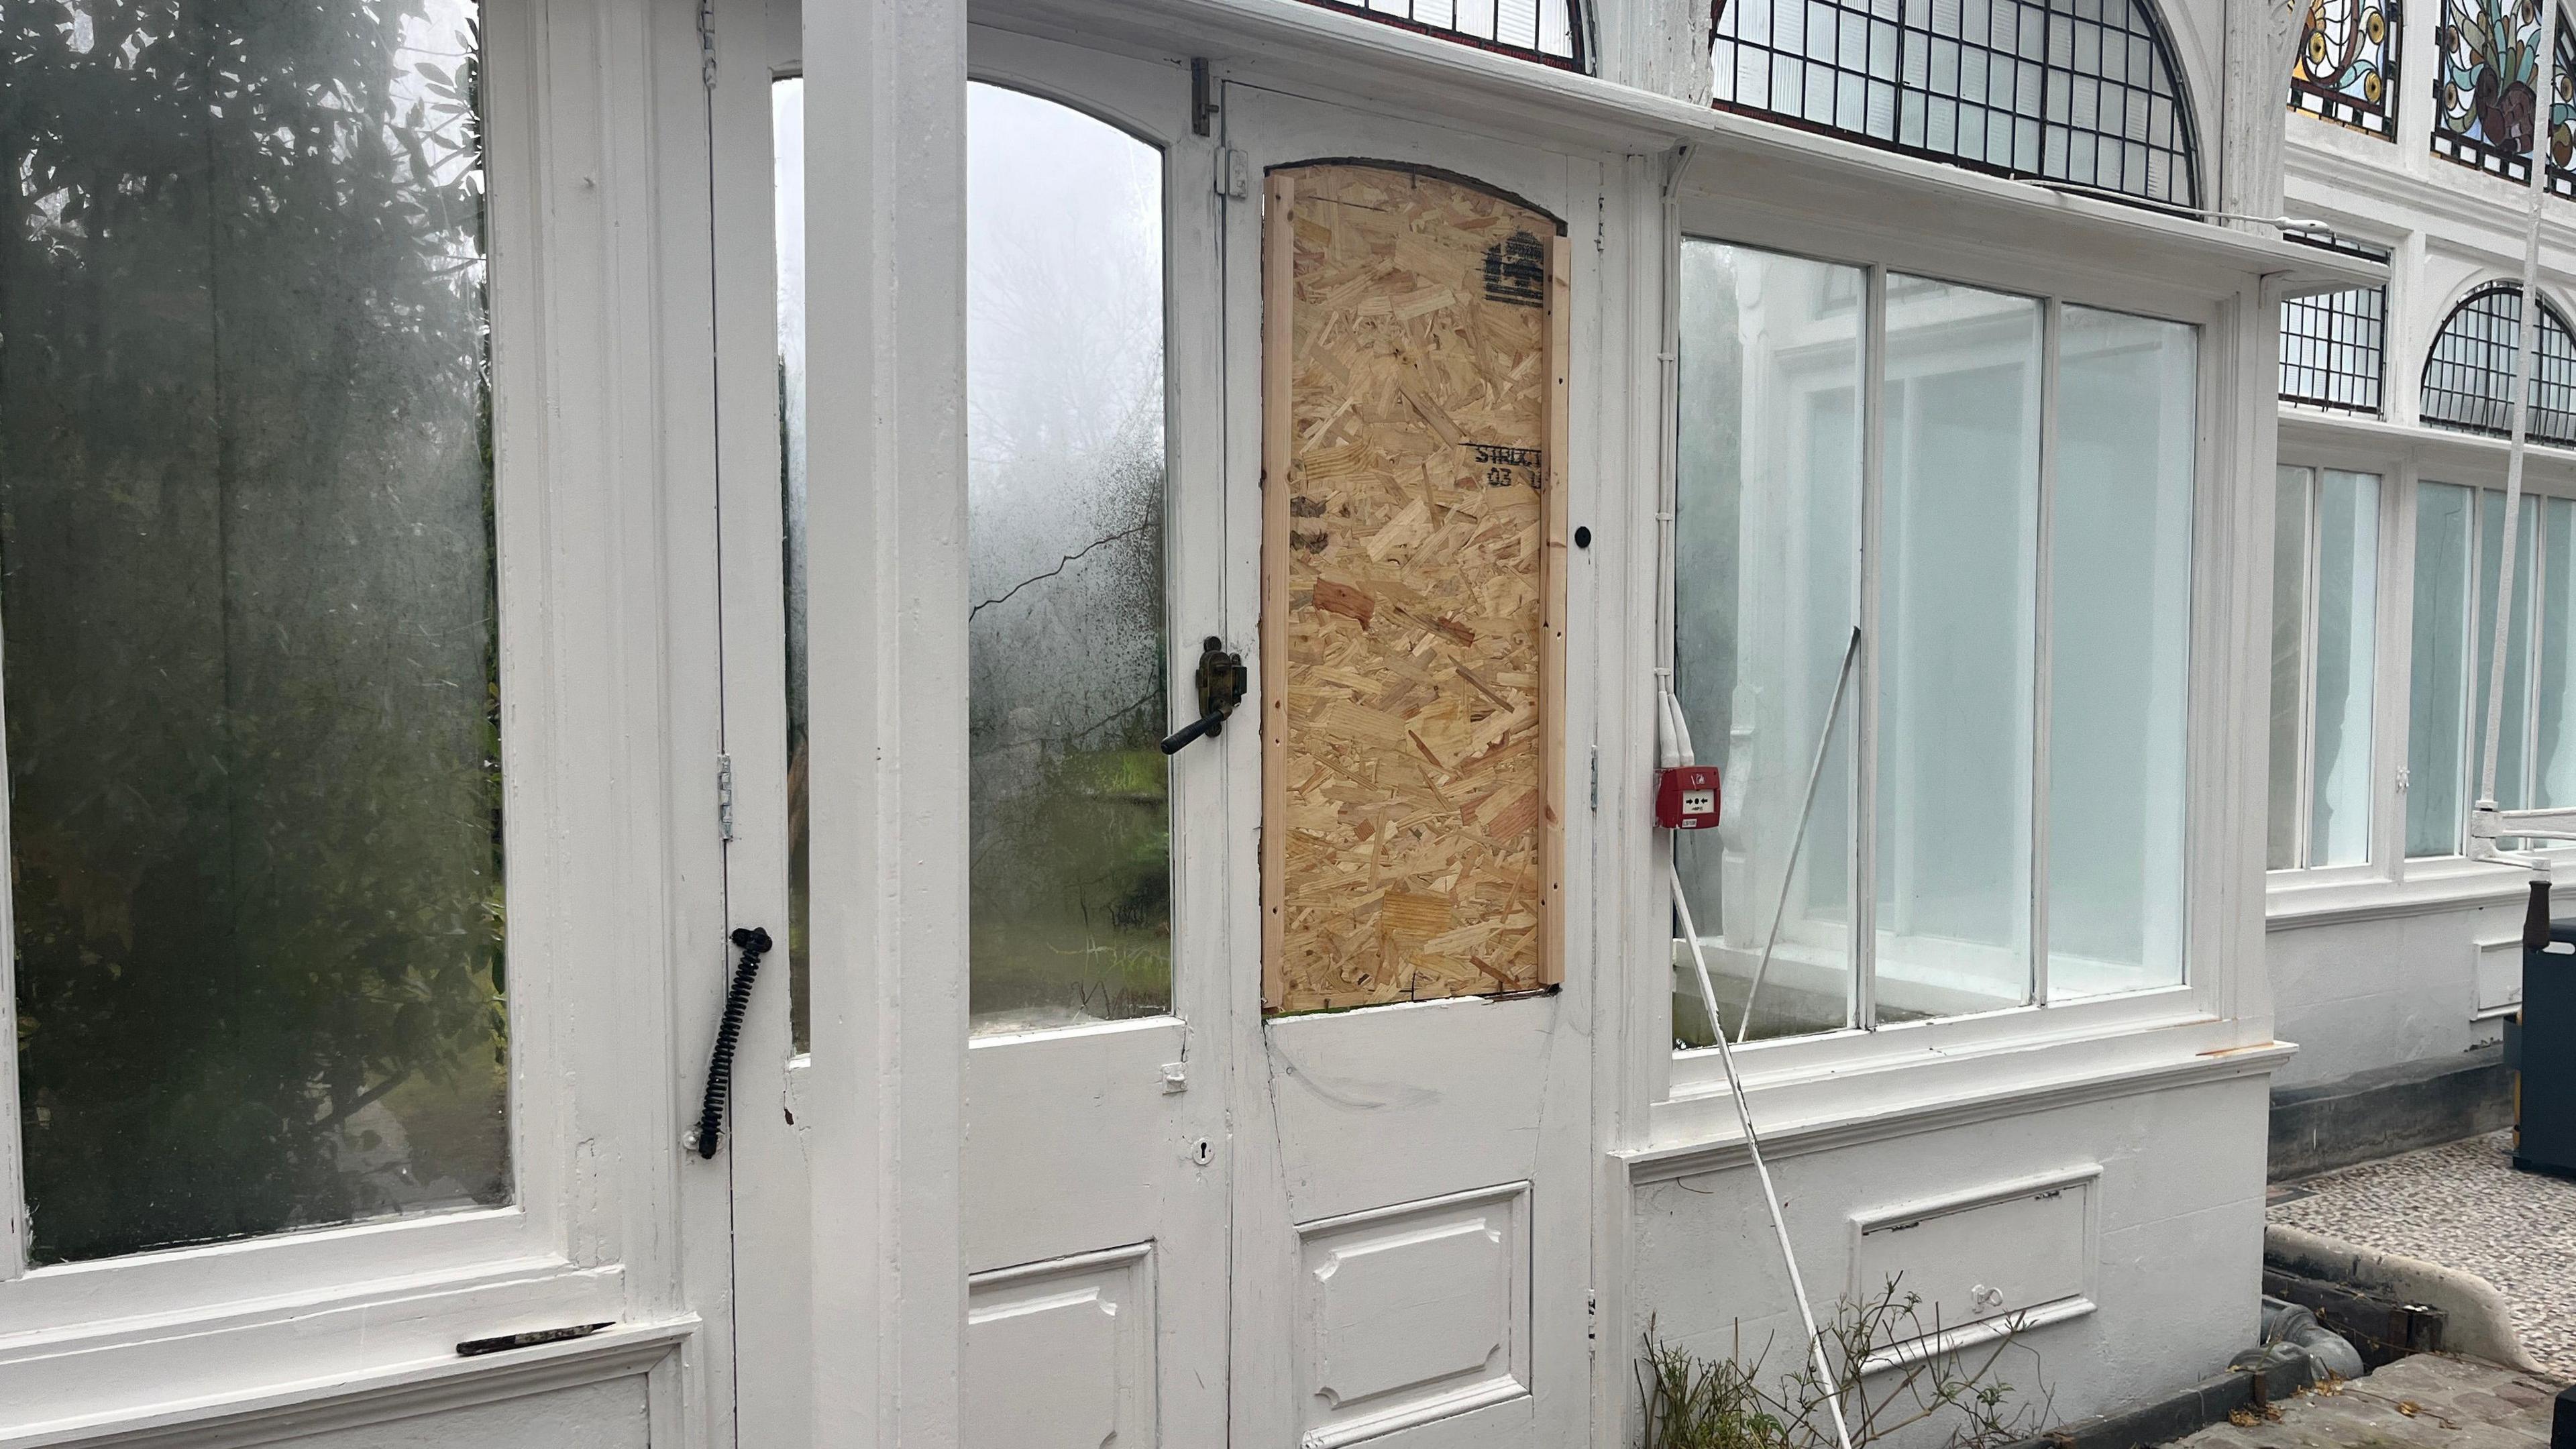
{"type": "Point", "coordinates": [2540, 1044]}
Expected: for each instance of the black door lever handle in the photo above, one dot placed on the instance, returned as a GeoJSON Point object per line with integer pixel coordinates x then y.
{"type": "Point", "coordinates": [1222, 682]}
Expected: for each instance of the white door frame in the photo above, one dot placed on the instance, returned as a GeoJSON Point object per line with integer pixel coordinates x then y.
{"type": "Point", "coordinates": [885, 366]}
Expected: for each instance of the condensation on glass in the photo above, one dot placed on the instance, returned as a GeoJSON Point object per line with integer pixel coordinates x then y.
{"type": "Point", "coordinates": [1070, 882]}
{"type": "Point", "coordinates": [1957, 650]}
{"type": "Point", "coordinates": [787, 140]}
{"type": "Point", "coordinates": [2325, 589]}
{"type": "Point", "coordinates": [252, 703]}
{"type": "Point", "coordinates": [2437, 710]}
{"type": "Point", "coordinates": [1765, 597]}
{"type": "Point", "coordinates": [2119, 637]}
{"type": "Point", "coordinates": [2084, 93]}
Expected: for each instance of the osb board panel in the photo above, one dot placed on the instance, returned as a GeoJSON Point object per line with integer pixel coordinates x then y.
{"type": "Point", "coordinates": [1412, 627]}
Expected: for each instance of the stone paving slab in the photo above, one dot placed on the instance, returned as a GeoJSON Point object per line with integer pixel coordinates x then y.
{"type": "Point", "coordinates": [2425, 1402]}
{"type": "Point", "coordinates": [2462, 1206]}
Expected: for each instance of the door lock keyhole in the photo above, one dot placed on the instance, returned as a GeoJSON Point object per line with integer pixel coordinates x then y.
{"type": "Point", "coordinates": [1222, 681]}
{"type": "Point", "coordinates": [1205, 1153]}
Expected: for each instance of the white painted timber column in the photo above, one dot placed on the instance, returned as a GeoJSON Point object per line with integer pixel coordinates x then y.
{"type": "Point", "coordinates": [885, 156]}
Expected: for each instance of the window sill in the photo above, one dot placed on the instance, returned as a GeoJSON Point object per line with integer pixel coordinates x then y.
{"type": "Point", "coordinates": [2430, 888]}
{"type": "Point", "coordinates": [1847, 1103]}
{"type": "Point", "coordinates": [60, 1385]}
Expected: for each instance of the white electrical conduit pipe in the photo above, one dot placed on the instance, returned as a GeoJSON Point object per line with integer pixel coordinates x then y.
{"type": "Point", "coordinates": [1797, 840]}
{"type": "Point", "coordinates": [2485, 823]}
{"type": "Point", "coordinates": [1753, 1149]}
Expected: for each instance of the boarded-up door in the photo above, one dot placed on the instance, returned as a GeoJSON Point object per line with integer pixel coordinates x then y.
{"type": "Point", "coordinates": [1413, 630]}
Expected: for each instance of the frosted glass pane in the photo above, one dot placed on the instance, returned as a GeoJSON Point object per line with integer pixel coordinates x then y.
{"type": "Point", "coordinates": [2291, 489]}
{"type": "Point", "coordinates": [2513, 745]}
{"type": "Point", "coordinates": [2347, 634]}
{"type": "Point", "coordinates": [2437, 690]}
{"type": "Point", "coordinates": [1069, 884]}
{"type": "Point", "coordinates": [2557, 704]}
{"type": "Point", "coordinates": [2119, 641]}
{"type": "Point", "coordinates": [1767, 537]}
{"type": "Point", "coordinates": [252, 704]}
{"type": "Point", "coordinates": [1956, 620]}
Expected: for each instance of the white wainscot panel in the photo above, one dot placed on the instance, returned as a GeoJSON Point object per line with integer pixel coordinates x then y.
{"type": "Point", "coordinates": [611, 1414]}
{"type": "Point", "coordinates": [1060, 1355]}
{"type": "Point", "coordinates": [2497, 975]}
{"type": "Point", "coordinates": [1998, 1260]}
{"type": "Point", "coordinates": [1413, 1313]}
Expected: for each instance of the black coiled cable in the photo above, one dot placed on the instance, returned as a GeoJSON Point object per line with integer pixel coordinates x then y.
{"type": "Point", "coordinates": [754, 944]}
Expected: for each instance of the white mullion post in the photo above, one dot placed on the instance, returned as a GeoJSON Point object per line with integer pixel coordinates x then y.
{"type": "Point", "coordinates": [2052, 322]}
{"type": "Point", "coordinates": [1864, 804]}
{"type": "Point", "coordinates": [2312, 566]}
{"type": "Point", "coordinates": [2536, 509]}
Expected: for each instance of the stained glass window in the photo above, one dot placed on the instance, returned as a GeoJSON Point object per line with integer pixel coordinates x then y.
{"type": "Point", "coordinates": [2347, 64]}
{"type": "Point", "coordinates": [2083, 91]}
{"type": "Point", "coordinates": [2562, 112]}
{"type": "Point", "coordinates": [2483, 102]}
{"type": "Point", "coordinates": [2468, 378]}
{"type": "Point", "coordinates": [1548, 31]}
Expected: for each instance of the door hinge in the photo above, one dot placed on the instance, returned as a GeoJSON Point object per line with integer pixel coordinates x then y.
{"type": "Point", "coordinates": [724, 797]}
{"type": "Point", "coordinates": [1233, 174]}
{"type": "Point", "coordinates": [707, 52]}
{"type": "Point", "coordinates": [1596, 779]}
{"type": "Point", "coordinates": [2401, 779]}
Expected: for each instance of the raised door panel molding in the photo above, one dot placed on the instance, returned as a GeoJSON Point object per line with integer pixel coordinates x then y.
{"type": "Point", "coordinates": [1412, 1313]}
{"type": "Point", "coordinates": [1998, 1260]}
{"type": "Point", "coordinates": [1060, 1355]}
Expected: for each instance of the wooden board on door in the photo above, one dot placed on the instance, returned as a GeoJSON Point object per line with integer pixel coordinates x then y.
{"type": "Point", "coordinates": [1413, 567]}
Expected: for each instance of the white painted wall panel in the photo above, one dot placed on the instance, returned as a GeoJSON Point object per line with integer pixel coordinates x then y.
{"type": "Point", "coordinates": [2359, 995]}
{"type": "Point", "coordinates": [610, 1414]}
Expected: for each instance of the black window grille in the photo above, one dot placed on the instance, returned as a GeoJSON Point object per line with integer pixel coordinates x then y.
{"type": "Point", "coordinates": [2468, 377]}
{"type": "Point", "coordinates": [2082, 91]}
{"type": "Point", "coordinates": [2482, 101]}
{"type": "Point", "coordinates": [2346, 69]}
{"type": "Point", "coordinates": [1551, 32]}
{"type": "Point", "coordinates": [2334, 347]}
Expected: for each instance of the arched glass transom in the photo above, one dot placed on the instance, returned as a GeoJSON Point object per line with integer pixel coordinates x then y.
{"type": "Point", "coordinates": [2082, 91]}
{"type": "Point", "coordinates": [2468, 377]}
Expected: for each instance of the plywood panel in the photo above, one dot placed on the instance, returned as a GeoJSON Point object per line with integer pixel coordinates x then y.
{"type": "Point", "coordinates": [1412, 618]}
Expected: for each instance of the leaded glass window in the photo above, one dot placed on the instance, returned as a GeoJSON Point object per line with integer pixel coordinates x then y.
{"type": "Point", "coordinates": [2347, 64]}
{"type": "Point", "coordinates": [2562, 112]}
{"type": "Point", "coordinates": [2081, 91]}
{"type": "Point", "coordinates": [2483, 85]}
{"type": "Point", "coordinates": [2334, 346]}
{"type": "Point", "coordinates": [1548, 31]}
{"type": "Point", "coordinates": [2468, 378]}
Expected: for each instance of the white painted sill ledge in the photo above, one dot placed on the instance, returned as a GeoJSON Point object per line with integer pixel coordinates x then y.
{"type": "Point", "coordinates": [2295, 900]}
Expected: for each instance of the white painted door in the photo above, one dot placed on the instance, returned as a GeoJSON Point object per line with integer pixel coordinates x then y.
{"type": "Point", "coordinates": [1411, 1230]}
{"type": "Point", "coordinates": [1096, 1159]}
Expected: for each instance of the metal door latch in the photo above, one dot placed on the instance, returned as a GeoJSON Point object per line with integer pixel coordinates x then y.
{"type": "Point", "coordinates": [1222, 682]}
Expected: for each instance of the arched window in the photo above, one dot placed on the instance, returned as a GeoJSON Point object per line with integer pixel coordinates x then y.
{"type": "Point", "coordinates": [2084, 91]}
{"type": "Point", "coordinates": [2468, 377]}
{"type": "Point", "coordinates": [1551, 32]}
{"type": "Point", "coordinates": [2483, 109]}
{"type": "Point", "coordinates": [2347, 64]}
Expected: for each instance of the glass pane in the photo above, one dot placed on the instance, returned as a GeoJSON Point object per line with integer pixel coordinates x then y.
{"type": "Point", "coordinates": [252, 708]}
{"type": "Point", "coordinates": [2512, 743]}
{"type": "Point", "coordinates": [787, 141]}
{"type": "Point", "coordinates": [1070, 883]}
{"type": "Point", "coordinates": [1766, 539]}
{"type": "Point", "coordinates": [2438, 689]}
{"type": "Point", "coordinates": [1959, 526]}
{"type": "Point", "coordinates": [2291, 488]}
{"type": "Point", "coordinates": [2347, 633]}
{"type": "Point", "coordinates": [2119, 643]}
{"type": "Point", "coordinates": [2557, 724]}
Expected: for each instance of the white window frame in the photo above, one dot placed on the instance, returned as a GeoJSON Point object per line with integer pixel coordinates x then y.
{"type": "Point", "coordinates": [1835, 1075]}
{"type": "Point", "coordinates": [2396, 497]}
{"type": "Point", "coordinates": [2404, 456]}
{"type": "Point", "coordinates": [610, 884]}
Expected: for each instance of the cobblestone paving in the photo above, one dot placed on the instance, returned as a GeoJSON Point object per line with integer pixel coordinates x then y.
{"type": "Point", "coordinates": [2462, 1206]}
{"type": "Point", "coordinates": [2425, 1402]}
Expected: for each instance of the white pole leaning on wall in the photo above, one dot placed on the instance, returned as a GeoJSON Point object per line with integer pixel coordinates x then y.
{"type": "Point", "coordinates": [2485, 821]}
